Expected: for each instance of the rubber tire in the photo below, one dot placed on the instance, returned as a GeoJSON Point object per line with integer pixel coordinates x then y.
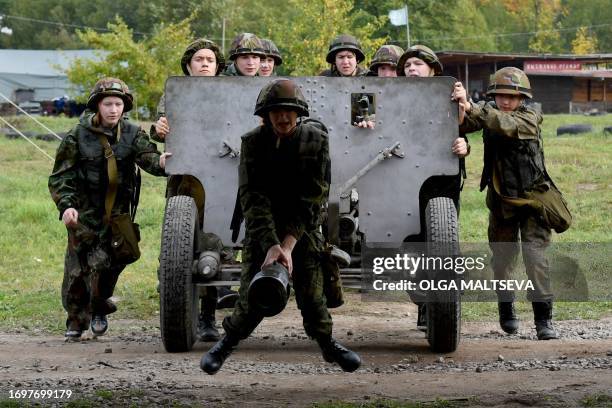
{"type": "Point", "coordinates": [575, 129]}
{"type": "Point", "coordinates": [443, 308]}
{"type": "Point", "coordinates": [178, 295]}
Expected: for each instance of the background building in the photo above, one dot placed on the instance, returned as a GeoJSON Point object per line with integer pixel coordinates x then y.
{"type": "Point", "coordinates": [561, 83]}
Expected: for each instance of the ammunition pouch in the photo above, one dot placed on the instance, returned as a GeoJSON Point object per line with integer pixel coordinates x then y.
{"type": "Point", "coordinates": [552, 208]}
{"type": "Point", "coordinates": [125, 235]}
{"type": "Point", "coordinates": [332, 284]}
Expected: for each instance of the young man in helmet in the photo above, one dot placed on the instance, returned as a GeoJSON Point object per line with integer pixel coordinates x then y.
{"type": "Point", "coordinates": [245, 53]}
{"type": "Point", "coordinates": [202, 57]}
{"type": "Point", "coordinates": [272, 59]}
{"type": "Point", "coordinates": [283, 182]}
{"type": "Point", "coordinates": [514, 166]}
{"type": "Point", "coordinates": [384, 63]}
{"type": "Point", "coordinates": [97, 155]}
{"type": "Point", "coordinates": [344, 55]}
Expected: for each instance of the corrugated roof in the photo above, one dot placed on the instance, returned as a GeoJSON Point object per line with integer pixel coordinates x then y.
{"type": "Point", "coordinates": [41, 62]}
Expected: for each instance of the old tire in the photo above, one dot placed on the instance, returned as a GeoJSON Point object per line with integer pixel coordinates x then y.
{"type": "Point", "coordinates": [178, 295]}
{"type": "Point", "coordinates": [443, 307]}
{"type": "Point", "coordinates": [575, 129]}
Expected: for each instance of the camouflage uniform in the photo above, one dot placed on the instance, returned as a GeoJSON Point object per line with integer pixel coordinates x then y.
{"type": "Point", "coordinates": [299, 162]}
{"type": "Point", "coordinates": [513, 165]}
{"type": "Point", "coordinates": [344, 42]}
{"type": "Point", "coordinates": [79, 180]}
{"type": "Point", "coordinates": [387, 54]}
{"type": "Point", "coordinates": [243, 44]}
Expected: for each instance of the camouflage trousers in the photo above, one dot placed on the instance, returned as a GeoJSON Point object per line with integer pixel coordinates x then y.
{"type": "Point", "coordinates": [520, 233]}
{"type": "Point", "coordinates": [307, 285]}
{"type": "Point", "coordinates": [89, 281]}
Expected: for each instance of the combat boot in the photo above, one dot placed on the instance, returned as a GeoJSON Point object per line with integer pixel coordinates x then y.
{"type": "Point", "coordinates": [212, 361]}
{"type": "Point", "coordinates": [99, 325]}
{"type": "Point", "coordinates": [507, 317]}
{"type": "Point", "coordinates": [334, 352]}
{"type": "Point", "coordinates": [542, 317]}
{"type": "Point", "coordinates": [206, 328]}
{"type": "Point", "coordinates": [73, 331]}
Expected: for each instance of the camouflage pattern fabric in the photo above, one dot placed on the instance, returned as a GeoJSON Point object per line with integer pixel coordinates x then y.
{"type": "Point", "coordinates": [299, 164]}
{"type": "Point", "coordinates": [271, 50]}
{"type": "Point", "coordinates": [514, 162]}
{"type": "Point", "coordinates": [422, 52]}
{"type": "Point", "coordinates": [244, 44]}
{"type": "Point", "coordinates": [387, 54]}
{"type": "Point", "coordinates": [79, 180]}
{"type": "Point", "coordinates": [511, 81]}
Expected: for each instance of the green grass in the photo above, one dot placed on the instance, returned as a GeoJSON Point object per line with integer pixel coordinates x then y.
{"type": "Point", "coordinates": [387, 403]}
{"type": "Point", "coordinates": [33, 240]}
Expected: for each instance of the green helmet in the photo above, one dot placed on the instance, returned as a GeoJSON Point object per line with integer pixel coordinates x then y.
{"type": "Point", "coordinates": [387, 54]}
{"type": "Point", "coordinates": [421, 52]}
{"type": "Point", "coordinates": [245, 44]}
{"type": "Point", "coordinates": [344, 42]}
{"type": "Point", "coordinates": [281, 93]}
{"type": "Point", "coordinates": [271, 50]}
{"type": "Point", "coordinates": [110, 87]}
{"type": "Point", "coordinates": [509, 81]}
{"type": "Point", "coordinates": [197, 45]}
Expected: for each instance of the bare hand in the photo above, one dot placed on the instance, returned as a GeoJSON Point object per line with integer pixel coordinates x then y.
{"type": "Point", "coordinates": [459, 93]}
{"type": "Point", "coordinates": [280, 255]}
{"type": "Point", "coordinates": [162, 127]}
{"type": "Point", "coordinates": [365, 124]}
{"type": "Point", "coordinates": [460, 147]}
{"type": "Point", "coordinates": [70, 217]}
{"type": "Point", "coordinates": [162, 159]}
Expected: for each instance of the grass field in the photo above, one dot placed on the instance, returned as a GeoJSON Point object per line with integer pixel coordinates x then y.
{"type": "Point", "coordinates": [32, 239]}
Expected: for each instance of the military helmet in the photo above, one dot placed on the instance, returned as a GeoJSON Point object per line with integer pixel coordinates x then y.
{"type": "Point", "coordinates": [509, 81]}
{"type": "Point", "coordinates": [271, 50]}
{"type": "Point", "coordinates": [387, 54]}
{"type": "Point", "coordinates": [421, 52]}
{"type": "Point", "coordinates": [246, 44]}
{"type": "Point", "coordinates": [200, 44]}
{"type": "Point", "coordinates": [110, 87]}
{"type": "Point", "coordinates": [281, 93]}
{"type": "Point", "coordinates": [344, 42]}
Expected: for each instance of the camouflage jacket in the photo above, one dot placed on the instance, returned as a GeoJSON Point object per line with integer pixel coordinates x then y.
{"type": "Point", "coordinates": [79, 178]}
{"type": "Point", "coordinates": [512, 147]}
{"type": "Point", "coordinates": [283, 183]}
{"type": "Point", "coordinates": [333, 72]}
{"type": "Point", "coordinates": [231, 70]}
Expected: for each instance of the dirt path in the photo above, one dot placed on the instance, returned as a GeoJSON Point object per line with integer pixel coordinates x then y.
{"type": "Point", "coordinates": [278, 366]}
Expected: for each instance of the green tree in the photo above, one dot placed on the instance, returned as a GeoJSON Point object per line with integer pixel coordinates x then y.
{"type": "Point", "coordinates": [144, 65]}
{"type": "Point", "coordinates": [306, 43]}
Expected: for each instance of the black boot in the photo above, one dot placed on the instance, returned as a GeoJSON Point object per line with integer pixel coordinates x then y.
{"type": "Point", "coordinates": [206, 328]}
{"type": "Point", "coordinates": [334, 352]}
{"type": "Point", "coordinates": [542, 317]}
{"type": "Point", "coordinates": [99, 325]}
{"type": "Point", "coordinates": [73, 330]}
{"type": "Point", "coordinates": [422, 317]}
{"type": "Point", "coordinates": [212, 361]}
{"type": "Point", "coordinates": [507, 317]}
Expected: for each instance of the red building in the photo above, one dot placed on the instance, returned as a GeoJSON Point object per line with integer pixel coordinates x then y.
{"type": "Point", "coordinates": [561, 83]}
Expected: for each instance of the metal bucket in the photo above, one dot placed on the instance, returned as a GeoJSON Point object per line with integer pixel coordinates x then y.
{"type": "Point", "coordinates": [269, 290]}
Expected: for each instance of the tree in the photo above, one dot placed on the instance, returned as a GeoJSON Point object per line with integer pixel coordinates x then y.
{"type": "Point", "coordinates": [144, 65]}
{"type": "Point", "coordinates": [584, 43]}
{"type": "Point", "coordinates": [306, 44]}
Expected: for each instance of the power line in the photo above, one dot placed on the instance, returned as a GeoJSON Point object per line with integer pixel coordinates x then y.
{"type": "Point", "coordinates": [36, 20]}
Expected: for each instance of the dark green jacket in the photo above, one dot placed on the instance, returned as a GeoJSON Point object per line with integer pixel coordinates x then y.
{"type": "Point", "coordinates": [283, 183]}
{"type": "Point", "coordinates": [512, 147]}
{"type": "Point", "coordinates": [79, 178]}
